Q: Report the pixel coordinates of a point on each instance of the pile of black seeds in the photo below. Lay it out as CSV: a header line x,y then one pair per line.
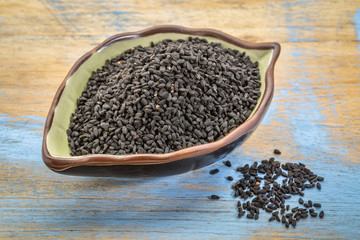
x,y
259,190
162,98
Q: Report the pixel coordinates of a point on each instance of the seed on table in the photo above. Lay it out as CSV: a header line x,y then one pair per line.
x,y
277,151
250,216
272,218
301,201
256,216
310,203
318,185
241,213
287,224
321,214
320,179
215,197
318,205
214,171
293,222
230,178
313,214
227,163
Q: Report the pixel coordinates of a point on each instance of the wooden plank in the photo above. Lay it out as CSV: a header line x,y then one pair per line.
x,y
314,118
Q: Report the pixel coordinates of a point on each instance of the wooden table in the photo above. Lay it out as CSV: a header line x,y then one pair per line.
x,y
314,118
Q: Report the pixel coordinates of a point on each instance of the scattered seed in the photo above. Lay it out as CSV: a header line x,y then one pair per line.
x,y
318,205
230,178
287,224
320,179
277,151
227,163
250,216
215,197
321,214
214,171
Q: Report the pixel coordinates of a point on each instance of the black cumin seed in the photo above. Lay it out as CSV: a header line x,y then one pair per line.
x,y
318,185
286,224
318,205
313,214
230,178
271,219
241,213
320,179
227,163
321,214
301,201
214,171
277,151
250,216
214,197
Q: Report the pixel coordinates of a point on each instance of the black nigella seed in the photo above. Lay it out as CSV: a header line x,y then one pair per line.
x,y
320,179
287,224
241,213
313,214
214,171
227,163
273,193
164,97
277,151
321,214
250,216
215,197
318,185
230,178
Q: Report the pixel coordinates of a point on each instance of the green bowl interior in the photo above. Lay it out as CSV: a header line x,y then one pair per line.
x,y
57,142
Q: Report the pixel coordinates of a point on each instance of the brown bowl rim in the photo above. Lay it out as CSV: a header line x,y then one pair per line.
x,y
61,163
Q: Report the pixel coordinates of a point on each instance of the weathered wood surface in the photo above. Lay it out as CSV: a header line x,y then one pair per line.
x,y
314,118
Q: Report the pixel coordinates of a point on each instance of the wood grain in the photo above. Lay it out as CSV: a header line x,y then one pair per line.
x,y
314,118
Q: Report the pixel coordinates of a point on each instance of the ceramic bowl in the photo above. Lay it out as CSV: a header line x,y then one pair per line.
x,y
55,149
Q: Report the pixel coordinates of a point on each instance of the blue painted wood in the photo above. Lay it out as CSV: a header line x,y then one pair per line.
x,y
32,197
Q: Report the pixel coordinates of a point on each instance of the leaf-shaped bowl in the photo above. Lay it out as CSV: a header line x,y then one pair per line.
x,y
55,148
